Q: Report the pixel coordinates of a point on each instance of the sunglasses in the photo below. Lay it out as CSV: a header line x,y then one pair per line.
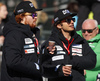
x,y
32,14
88,30
69,20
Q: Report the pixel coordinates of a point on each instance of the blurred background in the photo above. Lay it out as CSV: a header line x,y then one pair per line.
x,y
45,17
84,8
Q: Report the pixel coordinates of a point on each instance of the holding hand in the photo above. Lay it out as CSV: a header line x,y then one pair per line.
x,y
51,47
67,70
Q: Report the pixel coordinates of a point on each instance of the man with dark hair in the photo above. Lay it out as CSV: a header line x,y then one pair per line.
x,y
69,48
20,51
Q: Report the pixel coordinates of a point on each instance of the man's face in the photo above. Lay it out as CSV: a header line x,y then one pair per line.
x,y
67,24
31,20
89,30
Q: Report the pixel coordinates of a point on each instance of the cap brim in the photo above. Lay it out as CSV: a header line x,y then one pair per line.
x,y
38,9
73,14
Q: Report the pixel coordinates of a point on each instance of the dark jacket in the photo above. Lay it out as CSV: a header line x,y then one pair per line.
x,y
87,2
19,59
81,57
4,21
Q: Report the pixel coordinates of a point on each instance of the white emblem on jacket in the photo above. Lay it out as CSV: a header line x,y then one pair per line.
x,y
29,46
77,45
29,51
28,41
59,57
59,50
58,47
77,50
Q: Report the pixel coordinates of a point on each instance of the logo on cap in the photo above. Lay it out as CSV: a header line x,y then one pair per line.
x,y
21,10
65,11
31,5
56,19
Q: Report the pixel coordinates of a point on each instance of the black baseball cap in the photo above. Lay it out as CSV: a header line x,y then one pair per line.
x,y
62,14
25,6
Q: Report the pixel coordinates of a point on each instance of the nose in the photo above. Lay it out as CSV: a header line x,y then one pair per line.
x,y
86,32
35,18
72,22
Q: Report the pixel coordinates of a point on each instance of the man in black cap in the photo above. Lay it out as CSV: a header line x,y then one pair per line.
x,y
20,52
70,55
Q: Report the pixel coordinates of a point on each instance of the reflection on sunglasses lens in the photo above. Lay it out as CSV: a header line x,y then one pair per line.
x,y
34,15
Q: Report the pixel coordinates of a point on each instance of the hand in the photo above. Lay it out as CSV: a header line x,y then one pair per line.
x,y
51,51
84,72
1,40
67,70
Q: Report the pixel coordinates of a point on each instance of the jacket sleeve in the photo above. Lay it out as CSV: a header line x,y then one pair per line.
x,y
97,51
98,61
13,56
87,61
48,69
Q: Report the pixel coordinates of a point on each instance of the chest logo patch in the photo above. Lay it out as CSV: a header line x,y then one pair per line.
x,y
77,50
28,41
29,51
58,47
59,57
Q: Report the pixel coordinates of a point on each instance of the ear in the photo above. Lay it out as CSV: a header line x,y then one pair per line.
x,y
21,16
97,30
59,26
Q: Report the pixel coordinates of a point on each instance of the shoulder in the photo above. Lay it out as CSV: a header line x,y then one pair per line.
x,y
15,33
14,36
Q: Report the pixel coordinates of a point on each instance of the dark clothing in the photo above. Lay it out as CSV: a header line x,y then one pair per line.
x,y
87,2
4,21
19,59
85,6
1,28
81,57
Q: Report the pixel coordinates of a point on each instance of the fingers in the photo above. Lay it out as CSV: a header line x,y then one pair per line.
x,y
51,51
66,70
84,72
66,75
67,67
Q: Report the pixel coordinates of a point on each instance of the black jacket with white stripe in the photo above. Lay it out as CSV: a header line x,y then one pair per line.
x,y
19,59
81,57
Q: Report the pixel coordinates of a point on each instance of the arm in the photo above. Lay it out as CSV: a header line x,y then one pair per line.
x,y
97,51
51,68
14,56
98,61
87,61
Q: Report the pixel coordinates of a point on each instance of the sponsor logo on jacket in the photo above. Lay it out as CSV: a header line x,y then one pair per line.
x,y
77,50
60,50
28,41
29,46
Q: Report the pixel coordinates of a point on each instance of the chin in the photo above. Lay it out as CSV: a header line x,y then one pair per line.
x,y
72,30
32,26
87,38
